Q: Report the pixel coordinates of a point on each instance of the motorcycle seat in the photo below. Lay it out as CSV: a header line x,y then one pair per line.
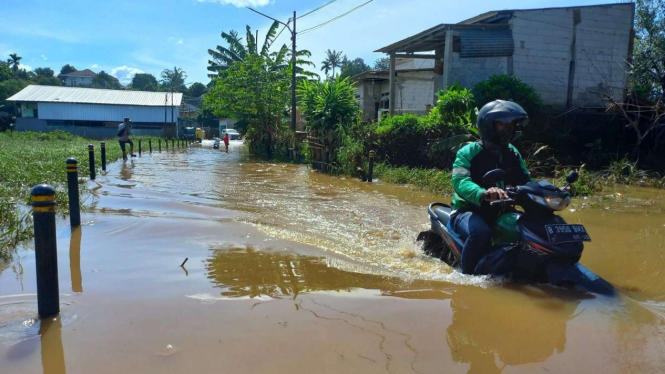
x,y
442,212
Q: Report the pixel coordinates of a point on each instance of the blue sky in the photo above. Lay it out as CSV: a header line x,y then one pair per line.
x,y
123,37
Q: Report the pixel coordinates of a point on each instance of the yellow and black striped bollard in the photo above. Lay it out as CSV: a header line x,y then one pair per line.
x,y
91,159
73,191
46,250
103,156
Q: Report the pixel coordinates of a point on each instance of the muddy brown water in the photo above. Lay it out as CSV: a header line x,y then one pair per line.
x,y
290,271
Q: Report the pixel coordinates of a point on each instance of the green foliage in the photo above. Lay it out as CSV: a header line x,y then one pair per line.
x,y
10,87
28,159
434,180
326,105
353,67
14,62
648,73
332,61
507,87
173,79
382,64
67,69
197,89
5,71
44,72
144,82
248,90
456,106
106,81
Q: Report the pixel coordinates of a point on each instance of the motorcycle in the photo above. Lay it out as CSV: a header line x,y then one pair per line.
x,y
532,246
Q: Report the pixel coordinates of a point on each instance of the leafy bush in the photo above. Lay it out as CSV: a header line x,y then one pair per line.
x,y
507,87
327,104
456,106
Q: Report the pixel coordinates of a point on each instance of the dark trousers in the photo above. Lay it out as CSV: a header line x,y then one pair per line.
x,y
476,235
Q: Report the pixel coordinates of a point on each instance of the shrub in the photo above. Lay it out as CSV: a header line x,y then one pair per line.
x,y
507,87
456,106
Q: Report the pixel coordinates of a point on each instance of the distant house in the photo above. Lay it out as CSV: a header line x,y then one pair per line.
x,y
569,55
414,83
80,78
96,113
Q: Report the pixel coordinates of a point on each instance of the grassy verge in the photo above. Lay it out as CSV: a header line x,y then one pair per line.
x,y
28,159
439,181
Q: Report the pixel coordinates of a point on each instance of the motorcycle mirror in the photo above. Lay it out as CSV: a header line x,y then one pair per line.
x,y
494,176
572,177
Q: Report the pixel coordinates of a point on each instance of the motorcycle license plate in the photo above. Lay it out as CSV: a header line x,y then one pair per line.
x,y
566,233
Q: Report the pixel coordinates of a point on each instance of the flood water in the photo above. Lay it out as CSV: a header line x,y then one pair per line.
x,y
289,270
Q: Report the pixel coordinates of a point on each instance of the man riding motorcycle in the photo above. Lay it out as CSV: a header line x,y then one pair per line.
x,y
472,215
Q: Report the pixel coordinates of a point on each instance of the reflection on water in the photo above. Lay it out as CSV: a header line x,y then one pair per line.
x,y
53,354
75,260
242,272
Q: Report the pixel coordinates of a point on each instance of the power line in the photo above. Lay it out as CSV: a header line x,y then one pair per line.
x,y
334,19
319,8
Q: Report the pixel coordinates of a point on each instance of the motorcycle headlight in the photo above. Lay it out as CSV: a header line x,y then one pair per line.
x,y
554,203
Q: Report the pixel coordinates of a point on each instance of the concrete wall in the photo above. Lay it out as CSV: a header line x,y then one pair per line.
x,y
78,81
99,112
469,71
414,91
546,41
38,125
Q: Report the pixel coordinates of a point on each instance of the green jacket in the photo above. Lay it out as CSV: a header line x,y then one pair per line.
x,y
471,164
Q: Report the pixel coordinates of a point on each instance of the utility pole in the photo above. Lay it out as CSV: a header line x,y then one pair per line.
x,y
293,75
293,63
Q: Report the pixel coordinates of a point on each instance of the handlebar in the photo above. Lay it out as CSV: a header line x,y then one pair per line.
x,y
495,202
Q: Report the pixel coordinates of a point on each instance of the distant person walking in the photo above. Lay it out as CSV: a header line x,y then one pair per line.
x,y
123,137
226,142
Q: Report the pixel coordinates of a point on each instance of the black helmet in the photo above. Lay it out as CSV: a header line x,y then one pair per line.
x,y
503,111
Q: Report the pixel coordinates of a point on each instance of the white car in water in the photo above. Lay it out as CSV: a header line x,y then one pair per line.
x,y
233,134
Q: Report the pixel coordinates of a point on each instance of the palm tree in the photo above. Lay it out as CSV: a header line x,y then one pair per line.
x,y
237,50
222,57
326,67
14,61
174,78
333,59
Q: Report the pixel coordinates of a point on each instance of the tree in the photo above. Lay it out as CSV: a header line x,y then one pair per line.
x,y
333,59
382,64
237,51
14,61
174,79
223,57
67,69
249,90
144,82
353,67
104,80
648,78
197,89
44,72
5,71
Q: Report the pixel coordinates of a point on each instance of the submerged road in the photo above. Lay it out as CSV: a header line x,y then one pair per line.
x,y
290,271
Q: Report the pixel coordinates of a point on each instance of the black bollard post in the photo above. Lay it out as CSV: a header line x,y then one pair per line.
x,y
46,251
73,190
150,145
371,166
139,147
91,159
160,144
103,156
172,143
166,144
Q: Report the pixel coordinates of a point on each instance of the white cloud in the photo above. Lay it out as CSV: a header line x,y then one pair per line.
x,y
239,3
24,66
94,66
44,57
125,73
180,41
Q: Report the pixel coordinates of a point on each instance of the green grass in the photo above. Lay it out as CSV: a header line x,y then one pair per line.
x,y
28,159
433,180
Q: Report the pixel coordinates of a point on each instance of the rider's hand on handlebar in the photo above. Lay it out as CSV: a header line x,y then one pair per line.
x,y
494,194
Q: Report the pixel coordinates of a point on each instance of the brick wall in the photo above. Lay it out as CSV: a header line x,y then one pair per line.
x,y
544,49
469,71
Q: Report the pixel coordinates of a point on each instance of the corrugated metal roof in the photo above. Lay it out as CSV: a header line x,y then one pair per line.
x,y
51,94
431,38
486,43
